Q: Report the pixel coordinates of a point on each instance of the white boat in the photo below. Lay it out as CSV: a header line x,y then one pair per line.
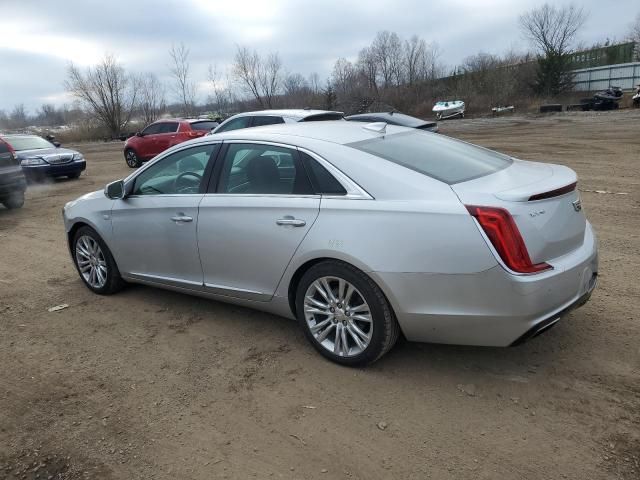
x,y
449,109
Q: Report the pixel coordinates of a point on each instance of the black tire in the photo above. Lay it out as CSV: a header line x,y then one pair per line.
x,y
73,176
385,326
132,159
114,281
15,200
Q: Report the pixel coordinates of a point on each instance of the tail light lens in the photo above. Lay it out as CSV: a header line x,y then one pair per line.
x,y
505,237
195,134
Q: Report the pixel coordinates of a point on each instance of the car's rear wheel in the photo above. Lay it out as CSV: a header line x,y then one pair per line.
x,y
344,314
15,200
132,159
94,262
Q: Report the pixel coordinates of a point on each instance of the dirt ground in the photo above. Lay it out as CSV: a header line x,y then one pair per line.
x,y
158,385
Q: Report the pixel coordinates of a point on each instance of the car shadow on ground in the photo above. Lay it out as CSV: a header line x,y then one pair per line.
x,y
401,363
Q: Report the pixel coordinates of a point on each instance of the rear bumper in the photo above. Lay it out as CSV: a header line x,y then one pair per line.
x,y
493,307
62,170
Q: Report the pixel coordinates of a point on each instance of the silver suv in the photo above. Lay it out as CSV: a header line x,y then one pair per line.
x,y
273,117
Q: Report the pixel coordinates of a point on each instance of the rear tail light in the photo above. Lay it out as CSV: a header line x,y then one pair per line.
x,y
195,134
505,237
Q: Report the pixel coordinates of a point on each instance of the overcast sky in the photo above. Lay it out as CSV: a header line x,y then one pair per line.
x,y
39,38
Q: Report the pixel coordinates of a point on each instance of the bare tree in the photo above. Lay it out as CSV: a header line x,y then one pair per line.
x,y
270,77
368,64
246,69
343,76
106,91
634,35
222,96
314,83
259,77
184,88
387,51
552,30
152,98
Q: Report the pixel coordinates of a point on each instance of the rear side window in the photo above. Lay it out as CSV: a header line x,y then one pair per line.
x,y
443,158
169,127
208,125
266,120
323,116
322,181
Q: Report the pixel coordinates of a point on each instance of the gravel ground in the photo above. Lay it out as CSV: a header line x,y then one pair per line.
x,y
155,384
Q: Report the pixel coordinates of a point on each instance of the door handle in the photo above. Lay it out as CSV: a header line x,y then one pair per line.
x,y
289,220
181,217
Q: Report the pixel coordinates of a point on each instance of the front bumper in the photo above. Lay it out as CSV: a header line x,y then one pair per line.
x,y
60,170
493,307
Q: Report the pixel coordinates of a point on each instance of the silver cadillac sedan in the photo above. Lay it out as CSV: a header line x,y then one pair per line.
x,y
360,232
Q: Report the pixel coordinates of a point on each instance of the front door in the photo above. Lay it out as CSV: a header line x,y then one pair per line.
x,y
155,227
253,221
166,137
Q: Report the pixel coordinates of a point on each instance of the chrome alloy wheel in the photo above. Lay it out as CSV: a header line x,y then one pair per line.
x,y
338,316
91,261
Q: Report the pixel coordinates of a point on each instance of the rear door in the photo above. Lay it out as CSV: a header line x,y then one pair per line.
x,y
254,218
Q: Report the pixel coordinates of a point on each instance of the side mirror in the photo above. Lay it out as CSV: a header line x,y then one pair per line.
x,y
115,190
56,144
139,134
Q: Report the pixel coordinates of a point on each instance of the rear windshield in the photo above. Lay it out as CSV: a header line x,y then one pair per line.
x,y
443,158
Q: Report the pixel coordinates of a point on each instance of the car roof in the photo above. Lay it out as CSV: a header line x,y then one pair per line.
x,y
332,131
297,113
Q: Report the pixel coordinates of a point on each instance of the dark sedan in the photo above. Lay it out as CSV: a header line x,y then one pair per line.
x,y
395,118
41,159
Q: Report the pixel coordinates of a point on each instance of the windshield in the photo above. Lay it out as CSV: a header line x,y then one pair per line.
x,y
27,142
443,158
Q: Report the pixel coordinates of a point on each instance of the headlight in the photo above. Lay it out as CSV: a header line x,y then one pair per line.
x,y
28,162
77,156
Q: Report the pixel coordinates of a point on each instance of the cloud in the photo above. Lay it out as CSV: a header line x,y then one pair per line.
x,y
39,39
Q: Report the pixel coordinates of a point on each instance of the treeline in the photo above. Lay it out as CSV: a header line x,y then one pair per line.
x,y
407,74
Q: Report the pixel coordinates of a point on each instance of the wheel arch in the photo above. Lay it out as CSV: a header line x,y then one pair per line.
x,y
304,267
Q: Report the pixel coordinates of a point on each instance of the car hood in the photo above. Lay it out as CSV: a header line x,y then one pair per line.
x,y
45,153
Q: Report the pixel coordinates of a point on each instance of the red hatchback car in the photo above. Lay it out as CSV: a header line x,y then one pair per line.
x,y
159,136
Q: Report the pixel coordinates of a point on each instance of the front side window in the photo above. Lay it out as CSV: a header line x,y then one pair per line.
x,y
152,129
263,169
235,124
179,173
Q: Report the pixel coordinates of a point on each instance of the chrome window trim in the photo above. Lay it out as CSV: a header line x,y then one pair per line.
x,y
170,151
354,191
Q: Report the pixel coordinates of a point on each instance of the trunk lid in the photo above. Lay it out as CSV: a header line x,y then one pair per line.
x,y
552,224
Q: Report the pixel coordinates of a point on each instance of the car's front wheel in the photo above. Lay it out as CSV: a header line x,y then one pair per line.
x,y
94,262
15,200
344,314
132,159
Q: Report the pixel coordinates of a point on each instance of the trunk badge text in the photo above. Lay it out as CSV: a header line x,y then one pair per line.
x,y
577,205
536,213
